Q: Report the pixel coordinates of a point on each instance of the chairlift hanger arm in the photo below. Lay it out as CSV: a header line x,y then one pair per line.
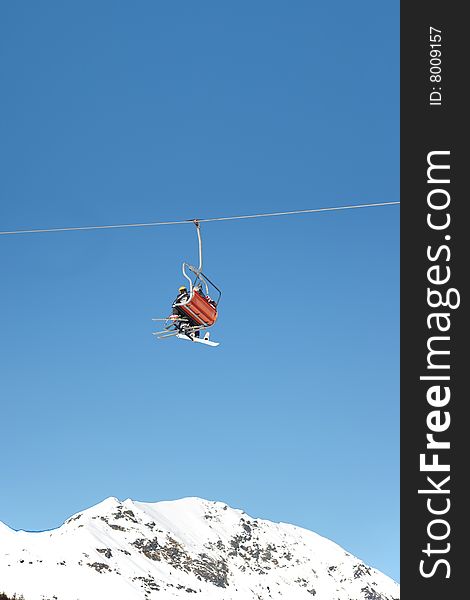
x,y
199,239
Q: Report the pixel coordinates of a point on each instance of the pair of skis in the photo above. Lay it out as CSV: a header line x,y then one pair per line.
x,y
186,335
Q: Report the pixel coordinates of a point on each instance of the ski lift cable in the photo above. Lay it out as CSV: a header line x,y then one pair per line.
x,y
207,220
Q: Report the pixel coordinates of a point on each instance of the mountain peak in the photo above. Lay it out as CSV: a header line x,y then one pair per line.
x,y
130,550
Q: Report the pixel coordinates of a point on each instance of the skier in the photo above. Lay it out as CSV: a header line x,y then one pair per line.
x,y
183,296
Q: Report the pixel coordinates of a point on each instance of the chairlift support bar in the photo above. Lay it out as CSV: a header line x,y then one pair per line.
x,y
199,239
198,270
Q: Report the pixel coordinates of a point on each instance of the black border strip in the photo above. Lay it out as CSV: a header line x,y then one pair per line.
x,y
433,123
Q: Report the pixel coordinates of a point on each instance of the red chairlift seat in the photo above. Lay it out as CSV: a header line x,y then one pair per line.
x,y
200,309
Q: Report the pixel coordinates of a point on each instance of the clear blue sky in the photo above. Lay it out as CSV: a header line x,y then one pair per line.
x,y
120,112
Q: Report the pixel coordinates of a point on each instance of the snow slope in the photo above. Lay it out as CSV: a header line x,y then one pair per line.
x,y
181,549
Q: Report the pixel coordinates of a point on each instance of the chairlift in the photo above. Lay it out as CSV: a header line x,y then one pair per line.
x,y
199,310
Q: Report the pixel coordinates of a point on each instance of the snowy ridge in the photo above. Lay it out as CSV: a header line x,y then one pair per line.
x,y
188,548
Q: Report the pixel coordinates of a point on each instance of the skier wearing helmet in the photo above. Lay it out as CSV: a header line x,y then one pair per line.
x,y
183,296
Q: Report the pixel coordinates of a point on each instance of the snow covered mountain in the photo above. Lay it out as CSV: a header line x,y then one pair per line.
x,y
188,548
